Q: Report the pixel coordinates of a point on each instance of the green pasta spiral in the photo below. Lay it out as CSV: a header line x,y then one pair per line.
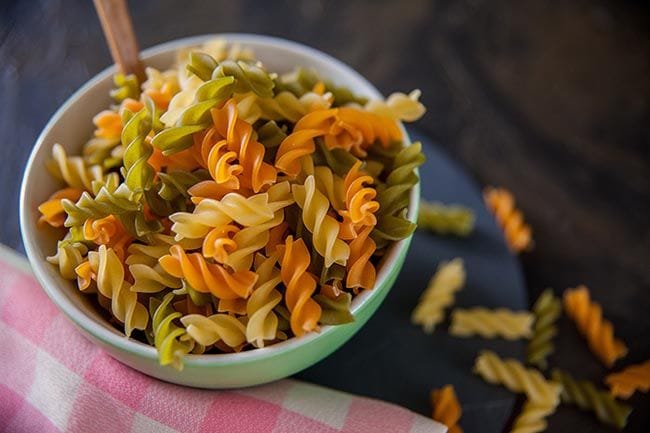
x,y
126,86
393,197
303,80
547,309
170,194
586,396
339,160
194,118
446,219
271,135
138,174
335,311
168,337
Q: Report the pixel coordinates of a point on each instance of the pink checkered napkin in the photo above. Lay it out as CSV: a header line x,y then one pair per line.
x,y
52,379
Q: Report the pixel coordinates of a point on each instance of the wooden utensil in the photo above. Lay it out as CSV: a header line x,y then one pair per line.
x,y
118,29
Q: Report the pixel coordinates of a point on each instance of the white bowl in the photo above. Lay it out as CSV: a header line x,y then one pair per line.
x,y
72,125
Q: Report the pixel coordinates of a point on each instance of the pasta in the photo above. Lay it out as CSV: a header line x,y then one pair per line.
x,y
324,228
219,207
501,202
586,396
300,284
501,322
262,321
393,199
547,309
531,419
439,294
598,331
443,219
632,378
446,408
512,374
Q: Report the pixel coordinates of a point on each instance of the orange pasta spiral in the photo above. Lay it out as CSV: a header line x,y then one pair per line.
x,y
446,408
109,124
346,128
502,204
239,137
635,377
207,277
218,243
108,231
300,284
361,272
360,206
220,162
52,211
589,319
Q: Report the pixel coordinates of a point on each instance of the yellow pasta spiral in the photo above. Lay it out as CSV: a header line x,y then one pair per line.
x,y
300,284
73,170
325,229
246,211
207,330
635,377
501,322
207,277
514,376
531,419
110,274
439,294
250,240
502,204
446,408
262,321
598,331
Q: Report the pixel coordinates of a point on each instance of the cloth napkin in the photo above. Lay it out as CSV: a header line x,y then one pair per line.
x,y
53,380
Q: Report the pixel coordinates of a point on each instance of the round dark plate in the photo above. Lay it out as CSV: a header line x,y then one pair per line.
x,y
393,360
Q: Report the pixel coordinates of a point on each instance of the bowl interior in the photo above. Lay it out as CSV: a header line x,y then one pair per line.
x,y
71,126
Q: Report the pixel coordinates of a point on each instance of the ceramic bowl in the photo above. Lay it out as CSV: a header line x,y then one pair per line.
x,y
71,126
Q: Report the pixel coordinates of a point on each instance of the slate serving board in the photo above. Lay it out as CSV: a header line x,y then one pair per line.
x,y
391,359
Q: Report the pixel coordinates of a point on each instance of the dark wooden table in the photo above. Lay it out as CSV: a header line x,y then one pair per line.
x,y
549,99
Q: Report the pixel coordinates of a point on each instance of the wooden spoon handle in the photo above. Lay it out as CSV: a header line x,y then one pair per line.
x,y
118,29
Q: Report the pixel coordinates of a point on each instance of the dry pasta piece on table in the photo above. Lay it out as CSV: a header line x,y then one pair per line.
x,y
446,408
501,322
445,219
439,294
632,378
547,309
502,204
586,396
598,331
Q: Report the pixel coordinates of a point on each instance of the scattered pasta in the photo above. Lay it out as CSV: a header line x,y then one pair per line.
x,y
598,331
586,396
439,294
445,219
502,204
532,417
546,309
629,380
501,322
221,207
446,408
514,376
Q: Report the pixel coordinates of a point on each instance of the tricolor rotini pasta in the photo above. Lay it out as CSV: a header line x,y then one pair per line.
x,y
219,206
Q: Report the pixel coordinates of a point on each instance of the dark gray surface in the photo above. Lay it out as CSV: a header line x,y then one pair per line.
x,y
548,98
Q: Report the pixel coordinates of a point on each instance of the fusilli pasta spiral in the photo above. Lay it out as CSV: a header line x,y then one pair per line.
x,y
445,219
632,378
598,331
446,408
586,396
439,294
501,322
502,204
547,309
262,321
